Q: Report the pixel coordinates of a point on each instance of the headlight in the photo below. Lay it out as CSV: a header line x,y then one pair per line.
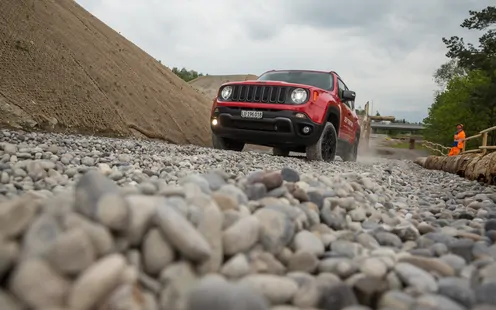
x,y
299,95
226,92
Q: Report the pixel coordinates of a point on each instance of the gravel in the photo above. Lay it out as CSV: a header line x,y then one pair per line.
x,y
98,223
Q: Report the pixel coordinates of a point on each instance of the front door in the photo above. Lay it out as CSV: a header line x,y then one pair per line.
x,y
347,116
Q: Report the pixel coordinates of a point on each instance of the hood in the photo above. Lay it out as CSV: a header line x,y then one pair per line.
x,y
262,83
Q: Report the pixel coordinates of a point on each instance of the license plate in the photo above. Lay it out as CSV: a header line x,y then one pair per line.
x,y
251,114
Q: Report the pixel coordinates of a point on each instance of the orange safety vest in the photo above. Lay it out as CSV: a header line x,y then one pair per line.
x,y
458,136
457,145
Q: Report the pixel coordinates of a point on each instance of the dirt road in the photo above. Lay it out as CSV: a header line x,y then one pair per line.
x,y
379,148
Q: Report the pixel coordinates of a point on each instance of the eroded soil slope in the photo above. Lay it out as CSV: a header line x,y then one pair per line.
x,y
62,69
209,84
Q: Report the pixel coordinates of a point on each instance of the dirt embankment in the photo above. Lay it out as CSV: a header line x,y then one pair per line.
x,y
64,70
209,84
471,166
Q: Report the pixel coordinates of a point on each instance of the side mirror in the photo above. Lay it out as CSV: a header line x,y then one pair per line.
x,y
349,95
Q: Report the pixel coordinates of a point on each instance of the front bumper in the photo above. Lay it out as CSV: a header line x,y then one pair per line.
x,y
277,128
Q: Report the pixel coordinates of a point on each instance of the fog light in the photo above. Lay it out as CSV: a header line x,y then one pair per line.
x,y
214,122
306,129
300,115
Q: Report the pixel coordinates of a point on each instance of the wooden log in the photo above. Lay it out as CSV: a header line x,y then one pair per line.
x,y
472,166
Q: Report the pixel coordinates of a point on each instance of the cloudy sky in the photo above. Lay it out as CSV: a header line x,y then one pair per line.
x,y
385,50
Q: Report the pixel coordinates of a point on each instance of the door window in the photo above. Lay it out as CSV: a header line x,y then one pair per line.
x,y
342,87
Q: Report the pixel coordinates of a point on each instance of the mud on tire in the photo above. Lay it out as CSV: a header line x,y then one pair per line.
x,y
221,143
352,151
325,148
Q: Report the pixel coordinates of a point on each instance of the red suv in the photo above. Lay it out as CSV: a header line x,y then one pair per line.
x,y
303,111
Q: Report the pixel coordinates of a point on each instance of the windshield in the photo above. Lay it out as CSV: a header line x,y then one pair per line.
x,y
317,79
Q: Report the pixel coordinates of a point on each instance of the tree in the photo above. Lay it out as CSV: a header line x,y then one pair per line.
x,y
468,56
402,121
360,111
467,82
446,72
185,74
481,59
457,105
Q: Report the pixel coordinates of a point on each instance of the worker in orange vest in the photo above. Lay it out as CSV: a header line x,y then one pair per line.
x,y
459,141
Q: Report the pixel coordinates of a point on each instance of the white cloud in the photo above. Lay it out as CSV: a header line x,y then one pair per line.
x,y
386,52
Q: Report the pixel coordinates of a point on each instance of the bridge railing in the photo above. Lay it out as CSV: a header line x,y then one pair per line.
x,y
436,148
483,148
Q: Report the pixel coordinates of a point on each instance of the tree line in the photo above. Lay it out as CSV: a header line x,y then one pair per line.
x,y
467,83
186,75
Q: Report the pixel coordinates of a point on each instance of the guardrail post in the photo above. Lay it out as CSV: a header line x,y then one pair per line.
x,y
484,143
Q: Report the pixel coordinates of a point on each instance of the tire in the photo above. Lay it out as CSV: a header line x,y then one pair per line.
x,y
352,152
226,144
325,148
280,151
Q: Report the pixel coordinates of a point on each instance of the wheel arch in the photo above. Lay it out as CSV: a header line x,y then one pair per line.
x,y
333,116
358,132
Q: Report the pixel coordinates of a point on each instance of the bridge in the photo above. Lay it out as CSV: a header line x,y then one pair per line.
x,y
397,126
374,124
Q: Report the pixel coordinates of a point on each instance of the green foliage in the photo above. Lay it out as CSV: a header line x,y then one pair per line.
x,y
457,105
468,56
467,82
186,75
360,111
446,72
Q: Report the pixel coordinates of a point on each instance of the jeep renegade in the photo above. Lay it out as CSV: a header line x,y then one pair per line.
x,y
303,111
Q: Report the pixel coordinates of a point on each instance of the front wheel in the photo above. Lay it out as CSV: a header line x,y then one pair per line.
x,y
221,143
352,153
325,148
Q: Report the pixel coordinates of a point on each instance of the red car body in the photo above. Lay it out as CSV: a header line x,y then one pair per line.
x,y
282,123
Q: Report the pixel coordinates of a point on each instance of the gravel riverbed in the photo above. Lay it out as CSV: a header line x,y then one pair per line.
x,y
97,223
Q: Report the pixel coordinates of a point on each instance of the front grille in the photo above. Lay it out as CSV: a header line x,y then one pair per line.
x,y
259,93
278,126
254,109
